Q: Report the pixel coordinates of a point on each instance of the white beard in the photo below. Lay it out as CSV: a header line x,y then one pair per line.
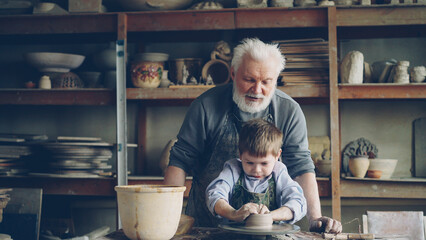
x,y
251,107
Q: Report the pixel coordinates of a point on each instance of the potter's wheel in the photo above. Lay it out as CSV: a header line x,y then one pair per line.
x,y
276,229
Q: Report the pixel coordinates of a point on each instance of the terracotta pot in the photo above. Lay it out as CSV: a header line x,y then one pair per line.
x,y
359,166
149,211
374,173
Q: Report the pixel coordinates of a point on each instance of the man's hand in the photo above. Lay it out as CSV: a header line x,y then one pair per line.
x,y
245,211
325,224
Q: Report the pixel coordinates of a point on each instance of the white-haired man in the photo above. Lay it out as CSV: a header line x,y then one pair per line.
x,y
209,134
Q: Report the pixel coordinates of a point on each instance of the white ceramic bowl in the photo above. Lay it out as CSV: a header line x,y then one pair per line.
x,y
149,212
387,166
54,62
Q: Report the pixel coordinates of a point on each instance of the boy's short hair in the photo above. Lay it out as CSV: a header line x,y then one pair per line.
x,y
259,138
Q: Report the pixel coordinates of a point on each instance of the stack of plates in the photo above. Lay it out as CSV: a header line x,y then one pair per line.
x,y
15,151
307,61
12,159
74,157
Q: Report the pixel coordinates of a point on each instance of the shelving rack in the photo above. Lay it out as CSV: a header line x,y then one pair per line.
x,y
332,23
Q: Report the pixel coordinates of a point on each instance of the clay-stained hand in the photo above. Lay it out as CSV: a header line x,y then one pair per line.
x,y
325,224
245,211
263,209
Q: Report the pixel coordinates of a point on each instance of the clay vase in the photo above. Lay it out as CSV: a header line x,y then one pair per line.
x,y
358,166
149,212
259,221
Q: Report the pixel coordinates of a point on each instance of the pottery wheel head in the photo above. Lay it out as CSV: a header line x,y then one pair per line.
x,y
259,221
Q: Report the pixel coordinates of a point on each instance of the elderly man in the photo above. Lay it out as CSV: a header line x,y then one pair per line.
x,y
209,134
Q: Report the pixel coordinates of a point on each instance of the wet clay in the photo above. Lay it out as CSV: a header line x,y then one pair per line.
x,y
259,221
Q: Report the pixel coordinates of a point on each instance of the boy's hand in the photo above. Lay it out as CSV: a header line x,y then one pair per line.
x,y
262,209
245,211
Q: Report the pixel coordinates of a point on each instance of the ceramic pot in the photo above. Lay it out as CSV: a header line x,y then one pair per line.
x,y
146,74
259,221
359,165
218,70
323,168
387,166
149,212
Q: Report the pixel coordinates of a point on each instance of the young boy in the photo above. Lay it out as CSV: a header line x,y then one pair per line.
x,y
257,182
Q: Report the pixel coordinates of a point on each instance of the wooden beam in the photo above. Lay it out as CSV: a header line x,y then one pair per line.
x,y
383,91
306,91
180,21
277,18
57,96
58,24
383,189
381,16
334,114
141,128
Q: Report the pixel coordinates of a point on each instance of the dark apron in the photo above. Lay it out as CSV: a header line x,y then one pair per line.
x,y
241,196
226,148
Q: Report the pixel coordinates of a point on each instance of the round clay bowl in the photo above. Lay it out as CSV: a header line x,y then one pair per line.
x,y
359,166
149,212
259,221
387,166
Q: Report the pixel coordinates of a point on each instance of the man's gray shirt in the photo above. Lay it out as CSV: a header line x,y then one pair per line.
x,y
206,114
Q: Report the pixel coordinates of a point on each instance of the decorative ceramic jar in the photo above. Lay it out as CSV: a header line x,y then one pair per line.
x,y
147,69
358,165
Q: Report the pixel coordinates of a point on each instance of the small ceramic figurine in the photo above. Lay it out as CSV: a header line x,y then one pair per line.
x,y
185,75
222,51
209,80
401,72
418,74
192,81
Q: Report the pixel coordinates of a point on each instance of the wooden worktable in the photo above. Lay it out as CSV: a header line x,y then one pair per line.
x,y
218,234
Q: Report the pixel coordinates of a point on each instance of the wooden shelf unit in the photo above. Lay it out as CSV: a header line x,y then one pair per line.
x,y
57,96
331,23
100,186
